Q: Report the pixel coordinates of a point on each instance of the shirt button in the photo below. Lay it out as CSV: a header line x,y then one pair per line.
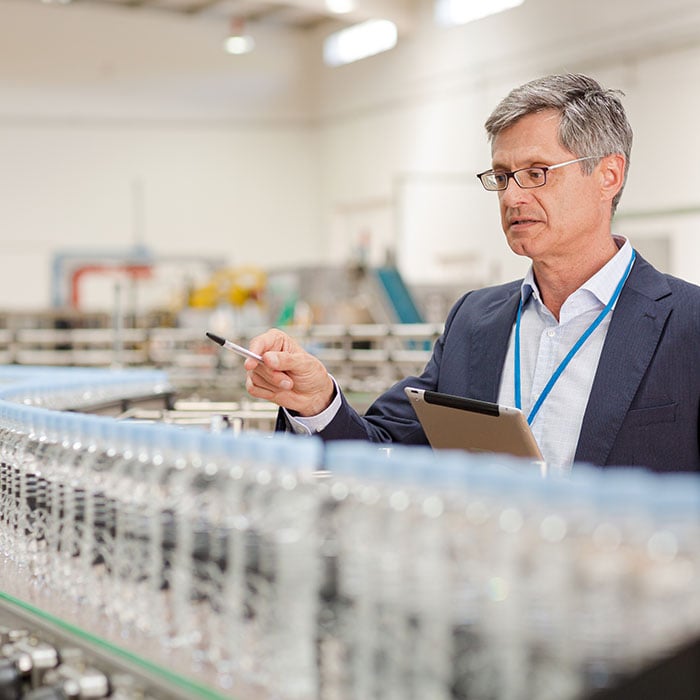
x,y
551,332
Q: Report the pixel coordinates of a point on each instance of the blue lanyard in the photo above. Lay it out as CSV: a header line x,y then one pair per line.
x,y
576,347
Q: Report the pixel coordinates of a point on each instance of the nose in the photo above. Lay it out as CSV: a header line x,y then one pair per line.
x,y
513,195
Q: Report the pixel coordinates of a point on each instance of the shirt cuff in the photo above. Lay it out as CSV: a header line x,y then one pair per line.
x,y
308,425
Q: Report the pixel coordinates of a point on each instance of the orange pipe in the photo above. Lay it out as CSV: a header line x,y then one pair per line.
x,y
134,271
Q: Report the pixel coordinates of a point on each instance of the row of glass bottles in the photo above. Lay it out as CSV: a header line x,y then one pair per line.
x,y
204,544
489,582
412,574
71,388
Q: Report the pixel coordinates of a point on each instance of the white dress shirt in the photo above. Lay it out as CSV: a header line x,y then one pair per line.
x,y
544,342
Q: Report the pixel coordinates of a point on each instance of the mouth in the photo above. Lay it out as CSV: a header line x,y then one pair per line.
x,y
522,221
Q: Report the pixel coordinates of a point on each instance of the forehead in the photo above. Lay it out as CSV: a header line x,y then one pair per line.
x,y
534,138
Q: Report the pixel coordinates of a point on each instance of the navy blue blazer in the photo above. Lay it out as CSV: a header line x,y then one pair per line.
x,y
644,406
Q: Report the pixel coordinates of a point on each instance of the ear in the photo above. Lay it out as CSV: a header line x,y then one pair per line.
x,y
611,173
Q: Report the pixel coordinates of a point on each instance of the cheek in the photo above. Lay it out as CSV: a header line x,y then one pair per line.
x,y
502,208
572,214
577,201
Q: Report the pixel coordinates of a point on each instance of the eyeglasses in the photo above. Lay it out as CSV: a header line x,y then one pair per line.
x,y
527,178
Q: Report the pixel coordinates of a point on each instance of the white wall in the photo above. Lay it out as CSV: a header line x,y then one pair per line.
x,y
116,130
244,195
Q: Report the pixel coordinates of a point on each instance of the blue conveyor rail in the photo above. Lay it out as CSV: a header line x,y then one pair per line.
x,y
399,295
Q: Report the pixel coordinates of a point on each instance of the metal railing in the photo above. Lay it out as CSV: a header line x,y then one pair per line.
x,y
362,357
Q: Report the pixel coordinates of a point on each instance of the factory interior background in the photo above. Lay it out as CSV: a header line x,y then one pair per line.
x,y
128,134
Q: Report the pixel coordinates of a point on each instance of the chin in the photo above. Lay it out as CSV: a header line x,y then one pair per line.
x,y
520,246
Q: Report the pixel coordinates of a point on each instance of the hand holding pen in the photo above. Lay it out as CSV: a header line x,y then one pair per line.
x,y
281,371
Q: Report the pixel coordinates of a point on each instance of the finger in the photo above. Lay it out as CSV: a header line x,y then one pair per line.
x,y
275,394
272,339
271,380
266,372
290,362
250,364
262,392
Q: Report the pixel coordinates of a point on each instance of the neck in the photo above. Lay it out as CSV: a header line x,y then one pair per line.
x,y
558,279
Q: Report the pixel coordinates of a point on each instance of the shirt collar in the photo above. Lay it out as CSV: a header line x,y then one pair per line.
x,y
602,285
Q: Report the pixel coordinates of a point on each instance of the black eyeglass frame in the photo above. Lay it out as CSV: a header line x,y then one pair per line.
x,y
544,169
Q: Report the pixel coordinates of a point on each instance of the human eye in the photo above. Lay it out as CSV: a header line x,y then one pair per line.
x,y
499,178
532,176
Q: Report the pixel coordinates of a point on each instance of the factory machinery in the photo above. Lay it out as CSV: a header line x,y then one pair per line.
x,y
364,358
151,559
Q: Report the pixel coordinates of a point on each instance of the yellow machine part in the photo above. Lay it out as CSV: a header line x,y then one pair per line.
x,y
234,286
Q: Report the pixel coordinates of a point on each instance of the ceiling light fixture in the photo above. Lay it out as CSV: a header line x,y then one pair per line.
x,y
451,12
340,7
359,41
238,42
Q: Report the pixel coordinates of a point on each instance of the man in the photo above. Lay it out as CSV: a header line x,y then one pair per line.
x,y
597,347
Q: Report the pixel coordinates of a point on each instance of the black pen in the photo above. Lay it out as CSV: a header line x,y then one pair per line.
x,y
232,346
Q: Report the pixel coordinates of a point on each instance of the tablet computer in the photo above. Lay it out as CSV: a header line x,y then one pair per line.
x,y
453,422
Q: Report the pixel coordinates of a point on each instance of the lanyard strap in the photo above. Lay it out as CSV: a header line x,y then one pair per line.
x,y
576,347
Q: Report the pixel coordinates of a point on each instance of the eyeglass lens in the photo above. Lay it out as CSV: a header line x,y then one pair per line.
x,y
527,177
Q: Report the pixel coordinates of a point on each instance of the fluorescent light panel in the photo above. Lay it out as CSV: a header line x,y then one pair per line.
x,y
340,7
451,12
239,44
359,41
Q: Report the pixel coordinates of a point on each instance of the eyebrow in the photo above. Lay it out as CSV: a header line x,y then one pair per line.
x,y
533,162
505,169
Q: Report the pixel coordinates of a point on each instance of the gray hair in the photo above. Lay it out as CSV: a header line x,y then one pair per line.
x,y
593,121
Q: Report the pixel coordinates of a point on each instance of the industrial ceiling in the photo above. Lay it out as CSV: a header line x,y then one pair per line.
x,y
297,14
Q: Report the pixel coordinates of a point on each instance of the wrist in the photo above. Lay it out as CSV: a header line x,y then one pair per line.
x,y
322,401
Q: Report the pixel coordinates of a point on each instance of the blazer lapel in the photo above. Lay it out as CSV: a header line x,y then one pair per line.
x,y
634,332
490,345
